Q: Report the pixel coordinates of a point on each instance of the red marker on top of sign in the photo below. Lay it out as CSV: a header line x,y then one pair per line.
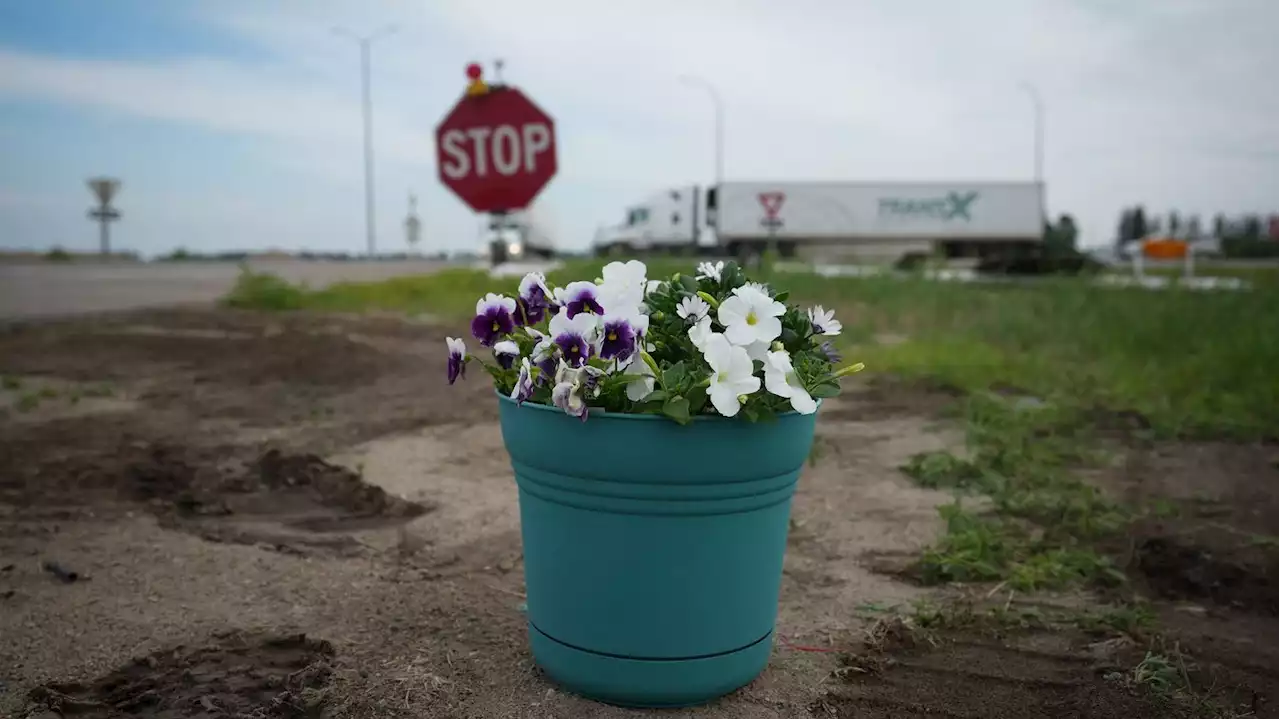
x,y
475,74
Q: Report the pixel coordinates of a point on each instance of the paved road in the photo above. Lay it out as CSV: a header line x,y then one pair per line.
x,y
46,290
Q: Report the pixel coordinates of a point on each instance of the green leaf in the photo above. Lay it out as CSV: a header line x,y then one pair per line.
x,y
677,408
749,413
698,400
825,390
673,375
782,296
688,283
658,395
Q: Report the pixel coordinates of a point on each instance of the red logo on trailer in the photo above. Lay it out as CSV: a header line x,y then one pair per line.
x,y
495,149
772,204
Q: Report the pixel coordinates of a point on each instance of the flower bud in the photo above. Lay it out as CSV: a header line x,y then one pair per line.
x,y
658,316
851,369
709,300
742,399
599,280
777,346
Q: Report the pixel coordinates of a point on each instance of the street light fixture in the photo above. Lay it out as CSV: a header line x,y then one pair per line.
x,y
1038,105
719,119
365,41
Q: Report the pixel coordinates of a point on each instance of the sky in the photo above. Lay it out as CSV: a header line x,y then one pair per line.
x,y
235,124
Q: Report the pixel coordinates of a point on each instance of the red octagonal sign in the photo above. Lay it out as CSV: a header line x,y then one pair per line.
x,y
496,151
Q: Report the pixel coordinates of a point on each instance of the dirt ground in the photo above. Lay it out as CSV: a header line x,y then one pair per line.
x,y
214,514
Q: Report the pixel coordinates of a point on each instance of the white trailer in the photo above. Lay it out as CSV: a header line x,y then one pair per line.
x,y
952,219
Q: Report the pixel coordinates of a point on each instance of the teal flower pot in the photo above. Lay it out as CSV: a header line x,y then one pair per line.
x,y
653,552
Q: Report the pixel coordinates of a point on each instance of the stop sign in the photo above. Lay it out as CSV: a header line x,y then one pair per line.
x,y
496,150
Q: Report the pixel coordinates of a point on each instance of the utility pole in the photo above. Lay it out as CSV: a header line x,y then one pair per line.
x,y
365,42
104,188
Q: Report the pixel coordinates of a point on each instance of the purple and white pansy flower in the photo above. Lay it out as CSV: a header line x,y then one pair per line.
x,y
457,358
506,352
581,297
522,390
684,347
494,318
534,298
574,336
617,337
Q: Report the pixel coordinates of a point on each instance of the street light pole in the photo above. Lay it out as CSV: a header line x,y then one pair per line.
x,y
366,98
1038,106
719,119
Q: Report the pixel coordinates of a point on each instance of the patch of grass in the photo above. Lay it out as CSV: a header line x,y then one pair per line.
x,y
265,291
10,383
1190,363
27,401
1043,520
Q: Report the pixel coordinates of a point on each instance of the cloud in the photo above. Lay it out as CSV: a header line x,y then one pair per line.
x,y
1170,103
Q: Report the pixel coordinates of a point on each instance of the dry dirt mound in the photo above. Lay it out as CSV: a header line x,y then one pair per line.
x,y
1242,576
293,503
971,676
237,675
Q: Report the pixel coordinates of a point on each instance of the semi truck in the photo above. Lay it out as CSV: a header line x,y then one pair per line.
x,y
886,220
515,237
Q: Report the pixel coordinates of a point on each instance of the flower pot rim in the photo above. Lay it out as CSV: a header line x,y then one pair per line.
x,y
594,412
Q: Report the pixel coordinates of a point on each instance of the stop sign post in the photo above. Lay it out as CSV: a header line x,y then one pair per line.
x,y
495,149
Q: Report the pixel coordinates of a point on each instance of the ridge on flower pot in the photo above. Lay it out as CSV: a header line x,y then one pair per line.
x,y
654,533
652,583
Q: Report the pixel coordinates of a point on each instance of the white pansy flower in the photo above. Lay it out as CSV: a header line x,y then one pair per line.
x,y
780,379
653,286
824,321
640,377
700,332
751,316
731,375
693,307
707,270
623,286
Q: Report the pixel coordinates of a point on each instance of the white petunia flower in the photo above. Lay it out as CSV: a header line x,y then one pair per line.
x,y
693,307
758,287
700,332
653,286
824,321
731,375
751,316
780,379
707,270
758,351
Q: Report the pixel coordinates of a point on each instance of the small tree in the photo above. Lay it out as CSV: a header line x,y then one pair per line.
x,y
1219,225
1124,231
1175,223
1140,228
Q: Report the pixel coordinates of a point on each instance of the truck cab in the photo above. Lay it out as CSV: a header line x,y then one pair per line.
x,y
668,221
